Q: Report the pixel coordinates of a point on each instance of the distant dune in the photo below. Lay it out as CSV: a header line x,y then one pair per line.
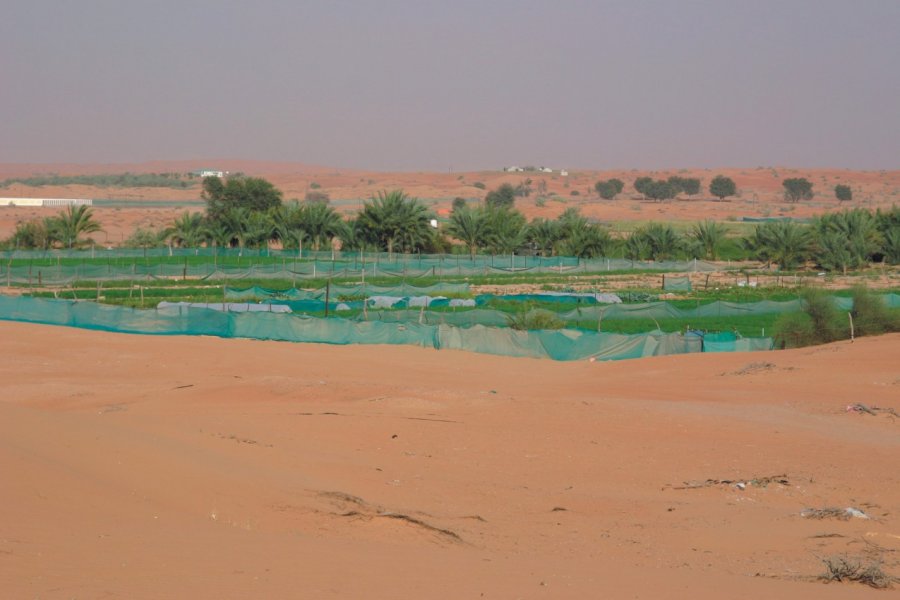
x,y
760,192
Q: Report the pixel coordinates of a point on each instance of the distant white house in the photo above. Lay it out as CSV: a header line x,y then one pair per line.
x,y
545,169
34,202
513,169
563,172
209,173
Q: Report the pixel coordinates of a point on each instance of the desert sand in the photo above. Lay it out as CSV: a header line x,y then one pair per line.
x,y
760,193
180,467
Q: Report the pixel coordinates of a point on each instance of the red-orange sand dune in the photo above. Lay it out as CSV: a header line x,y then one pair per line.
x,y
173,467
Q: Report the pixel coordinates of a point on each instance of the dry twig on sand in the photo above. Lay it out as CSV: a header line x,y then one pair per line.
x,y
842,568
739,483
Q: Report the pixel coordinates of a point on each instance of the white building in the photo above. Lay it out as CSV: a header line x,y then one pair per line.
x,y
46,202
209,173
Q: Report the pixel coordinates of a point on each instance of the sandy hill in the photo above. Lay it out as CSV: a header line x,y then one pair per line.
x,y
148,467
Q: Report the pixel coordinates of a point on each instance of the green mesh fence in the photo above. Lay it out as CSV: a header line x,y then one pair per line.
x,y
469,317
338,291
183,320
677,284
59,267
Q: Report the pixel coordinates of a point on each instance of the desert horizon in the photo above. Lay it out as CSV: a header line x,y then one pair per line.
x,y
512,299
759,191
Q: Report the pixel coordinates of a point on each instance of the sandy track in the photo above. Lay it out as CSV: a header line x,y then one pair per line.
x,y
147,467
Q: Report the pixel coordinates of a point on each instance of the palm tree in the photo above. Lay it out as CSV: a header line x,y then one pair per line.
x,y
147,238
581,238
782,242
320,222
68,226
544,235
661,240
891,246
708,236
259,229
470,226
393,219
233,222
219,234
847,239
506,231
590,241
637,247
286,220
188,230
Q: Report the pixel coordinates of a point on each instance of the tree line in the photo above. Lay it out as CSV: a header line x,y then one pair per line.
x,y
795,189
247,212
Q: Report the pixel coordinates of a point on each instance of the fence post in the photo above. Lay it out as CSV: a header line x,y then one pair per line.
x,y
327,295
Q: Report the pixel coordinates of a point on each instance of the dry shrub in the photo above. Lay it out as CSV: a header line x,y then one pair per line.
x,y
842,568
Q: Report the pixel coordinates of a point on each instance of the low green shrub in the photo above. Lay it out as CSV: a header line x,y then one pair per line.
x,y
535,319
871,316
794,330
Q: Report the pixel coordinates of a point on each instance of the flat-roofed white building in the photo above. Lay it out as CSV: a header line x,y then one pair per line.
x,y
36,202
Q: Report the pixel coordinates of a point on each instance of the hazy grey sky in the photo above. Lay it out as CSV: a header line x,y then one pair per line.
x,y
467,84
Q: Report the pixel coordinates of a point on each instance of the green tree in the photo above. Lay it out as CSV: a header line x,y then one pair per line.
x,y
797,188
188,230
502,197
708,236
259,229
579,237
69,225
846,240
251,193
782,242
889,225
320,223
637,247
685,185
620,185
661,240
394,220
609,188
33,234
543,234
507,230
660,190
234,224
471,226
641,183
843,193
722,187
147,238
218,234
